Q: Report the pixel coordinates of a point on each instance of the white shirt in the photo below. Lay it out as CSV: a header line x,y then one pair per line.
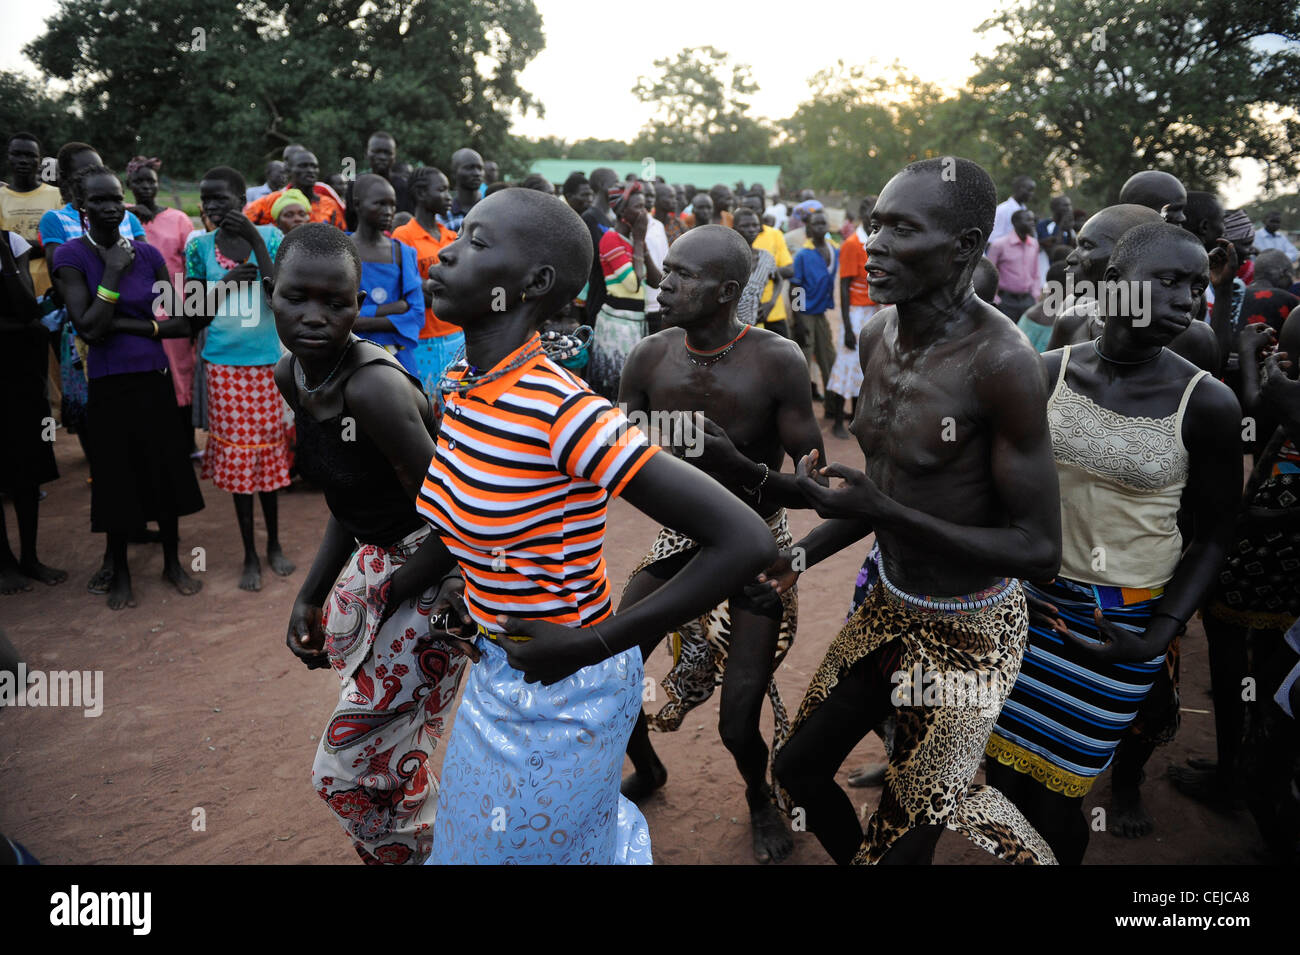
x,y
656,247
17,244
1265,240
779,214
1002,218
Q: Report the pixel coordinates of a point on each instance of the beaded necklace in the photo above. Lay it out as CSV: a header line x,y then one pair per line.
x,y
715,356
554,345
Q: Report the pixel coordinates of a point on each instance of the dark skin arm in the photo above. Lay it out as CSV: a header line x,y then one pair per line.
x,y
1282,393
796,424
21,305
1252,341
396,426
1223,268
239,225
778,283
94,319
1212,423
735,545
849,340
1022,470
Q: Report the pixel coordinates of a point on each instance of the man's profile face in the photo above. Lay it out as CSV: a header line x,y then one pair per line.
x,y
1210,229
910,251
381,153
1023,222
1023,190
1063,211
1091,253
703,209
491,173
690,286
1273,223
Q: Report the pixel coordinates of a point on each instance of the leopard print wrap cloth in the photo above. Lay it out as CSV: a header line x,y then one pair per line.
x,y
937,748
700,646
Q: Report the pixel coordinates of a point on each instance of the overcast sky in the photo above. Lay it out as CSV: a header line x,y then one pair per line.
x,y
585,95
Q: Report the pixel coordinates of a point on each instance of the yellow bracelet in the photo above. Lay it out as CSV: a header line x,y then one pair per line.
x,y
155,327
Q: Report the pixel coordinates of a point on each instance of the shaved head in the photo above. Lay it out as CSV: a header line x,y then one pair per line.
x,y
368,182
551,233
985,279
717,250
1113,221
1155,190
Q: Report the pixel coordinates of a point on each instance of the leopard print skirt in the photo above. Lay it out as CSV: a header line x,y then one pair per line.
x,y
937,748
700,646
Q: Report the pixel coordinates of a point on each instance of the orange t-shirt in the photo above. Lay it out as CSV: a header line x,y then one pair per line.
x,y
324,209
853,265
427,248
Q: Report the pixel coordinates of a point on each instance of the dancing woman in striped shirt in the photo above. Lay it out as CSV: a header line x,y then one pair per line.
x,y
527,458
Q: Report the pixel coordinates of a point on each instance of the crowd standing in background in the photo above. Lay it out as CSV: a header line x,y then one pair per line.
x,y
452,359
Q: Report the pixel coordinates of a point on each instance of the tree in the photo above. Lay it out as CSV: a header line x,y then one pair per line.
x,y
25,106
1098,89
702,111
201,83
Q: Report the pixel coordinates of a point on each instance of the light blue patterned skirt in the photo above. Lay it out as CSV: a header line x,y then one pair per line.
x,y
532,772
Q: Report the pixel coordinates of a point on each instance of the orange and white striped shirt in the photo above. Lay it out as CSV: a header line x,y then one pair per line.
x,y
518,489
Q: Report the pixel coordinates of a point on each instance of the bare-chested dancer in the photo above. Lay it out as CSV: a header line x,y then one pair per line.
x,y
750,386
962,496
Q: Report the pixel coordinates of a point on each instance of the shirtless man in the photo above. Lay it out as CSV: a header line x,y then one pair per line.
x,y
962,495
748,383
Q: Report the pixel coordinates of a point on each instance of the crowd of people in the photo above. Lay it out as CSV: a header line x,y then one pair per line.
x,y
1053,415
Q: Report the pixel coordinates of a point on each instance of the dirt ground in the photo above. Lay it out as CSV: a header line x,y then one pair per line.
x,y
205,708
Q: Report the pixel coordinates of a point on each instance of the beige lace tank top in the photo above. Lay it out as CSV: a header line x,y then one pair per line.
x,y
1121,482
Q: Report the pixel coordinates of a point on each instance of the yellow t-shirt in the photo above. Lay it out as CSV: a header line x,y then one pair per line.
x,y
774,242
21,212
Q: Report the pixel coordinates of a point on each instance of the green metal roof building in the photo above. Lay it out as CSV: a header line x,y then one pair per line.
x,y
701,175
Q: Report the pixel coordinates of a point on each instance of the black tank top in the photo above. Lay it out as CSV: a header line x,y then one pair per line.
x,y
360,485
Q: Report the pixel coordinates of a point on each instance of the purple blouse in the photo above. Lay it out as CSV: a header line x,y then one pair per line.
x,y
120,354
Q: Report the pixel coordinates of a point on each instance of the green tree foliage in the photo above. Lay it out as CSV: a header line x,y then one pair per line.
x,y
25,106
701,111
1096,89
203,83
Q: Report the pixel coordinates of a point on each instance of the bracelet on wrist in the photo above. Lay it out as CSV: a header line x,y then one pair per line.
x,y
107,294
757,490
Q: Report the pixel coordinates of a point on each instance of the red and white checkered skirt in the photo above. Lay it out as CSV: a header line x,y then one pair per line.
x,y
248,451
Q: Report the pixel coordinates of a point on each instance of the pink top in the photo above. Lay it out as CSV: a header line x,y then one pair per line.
x,y
1017,262
167,232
